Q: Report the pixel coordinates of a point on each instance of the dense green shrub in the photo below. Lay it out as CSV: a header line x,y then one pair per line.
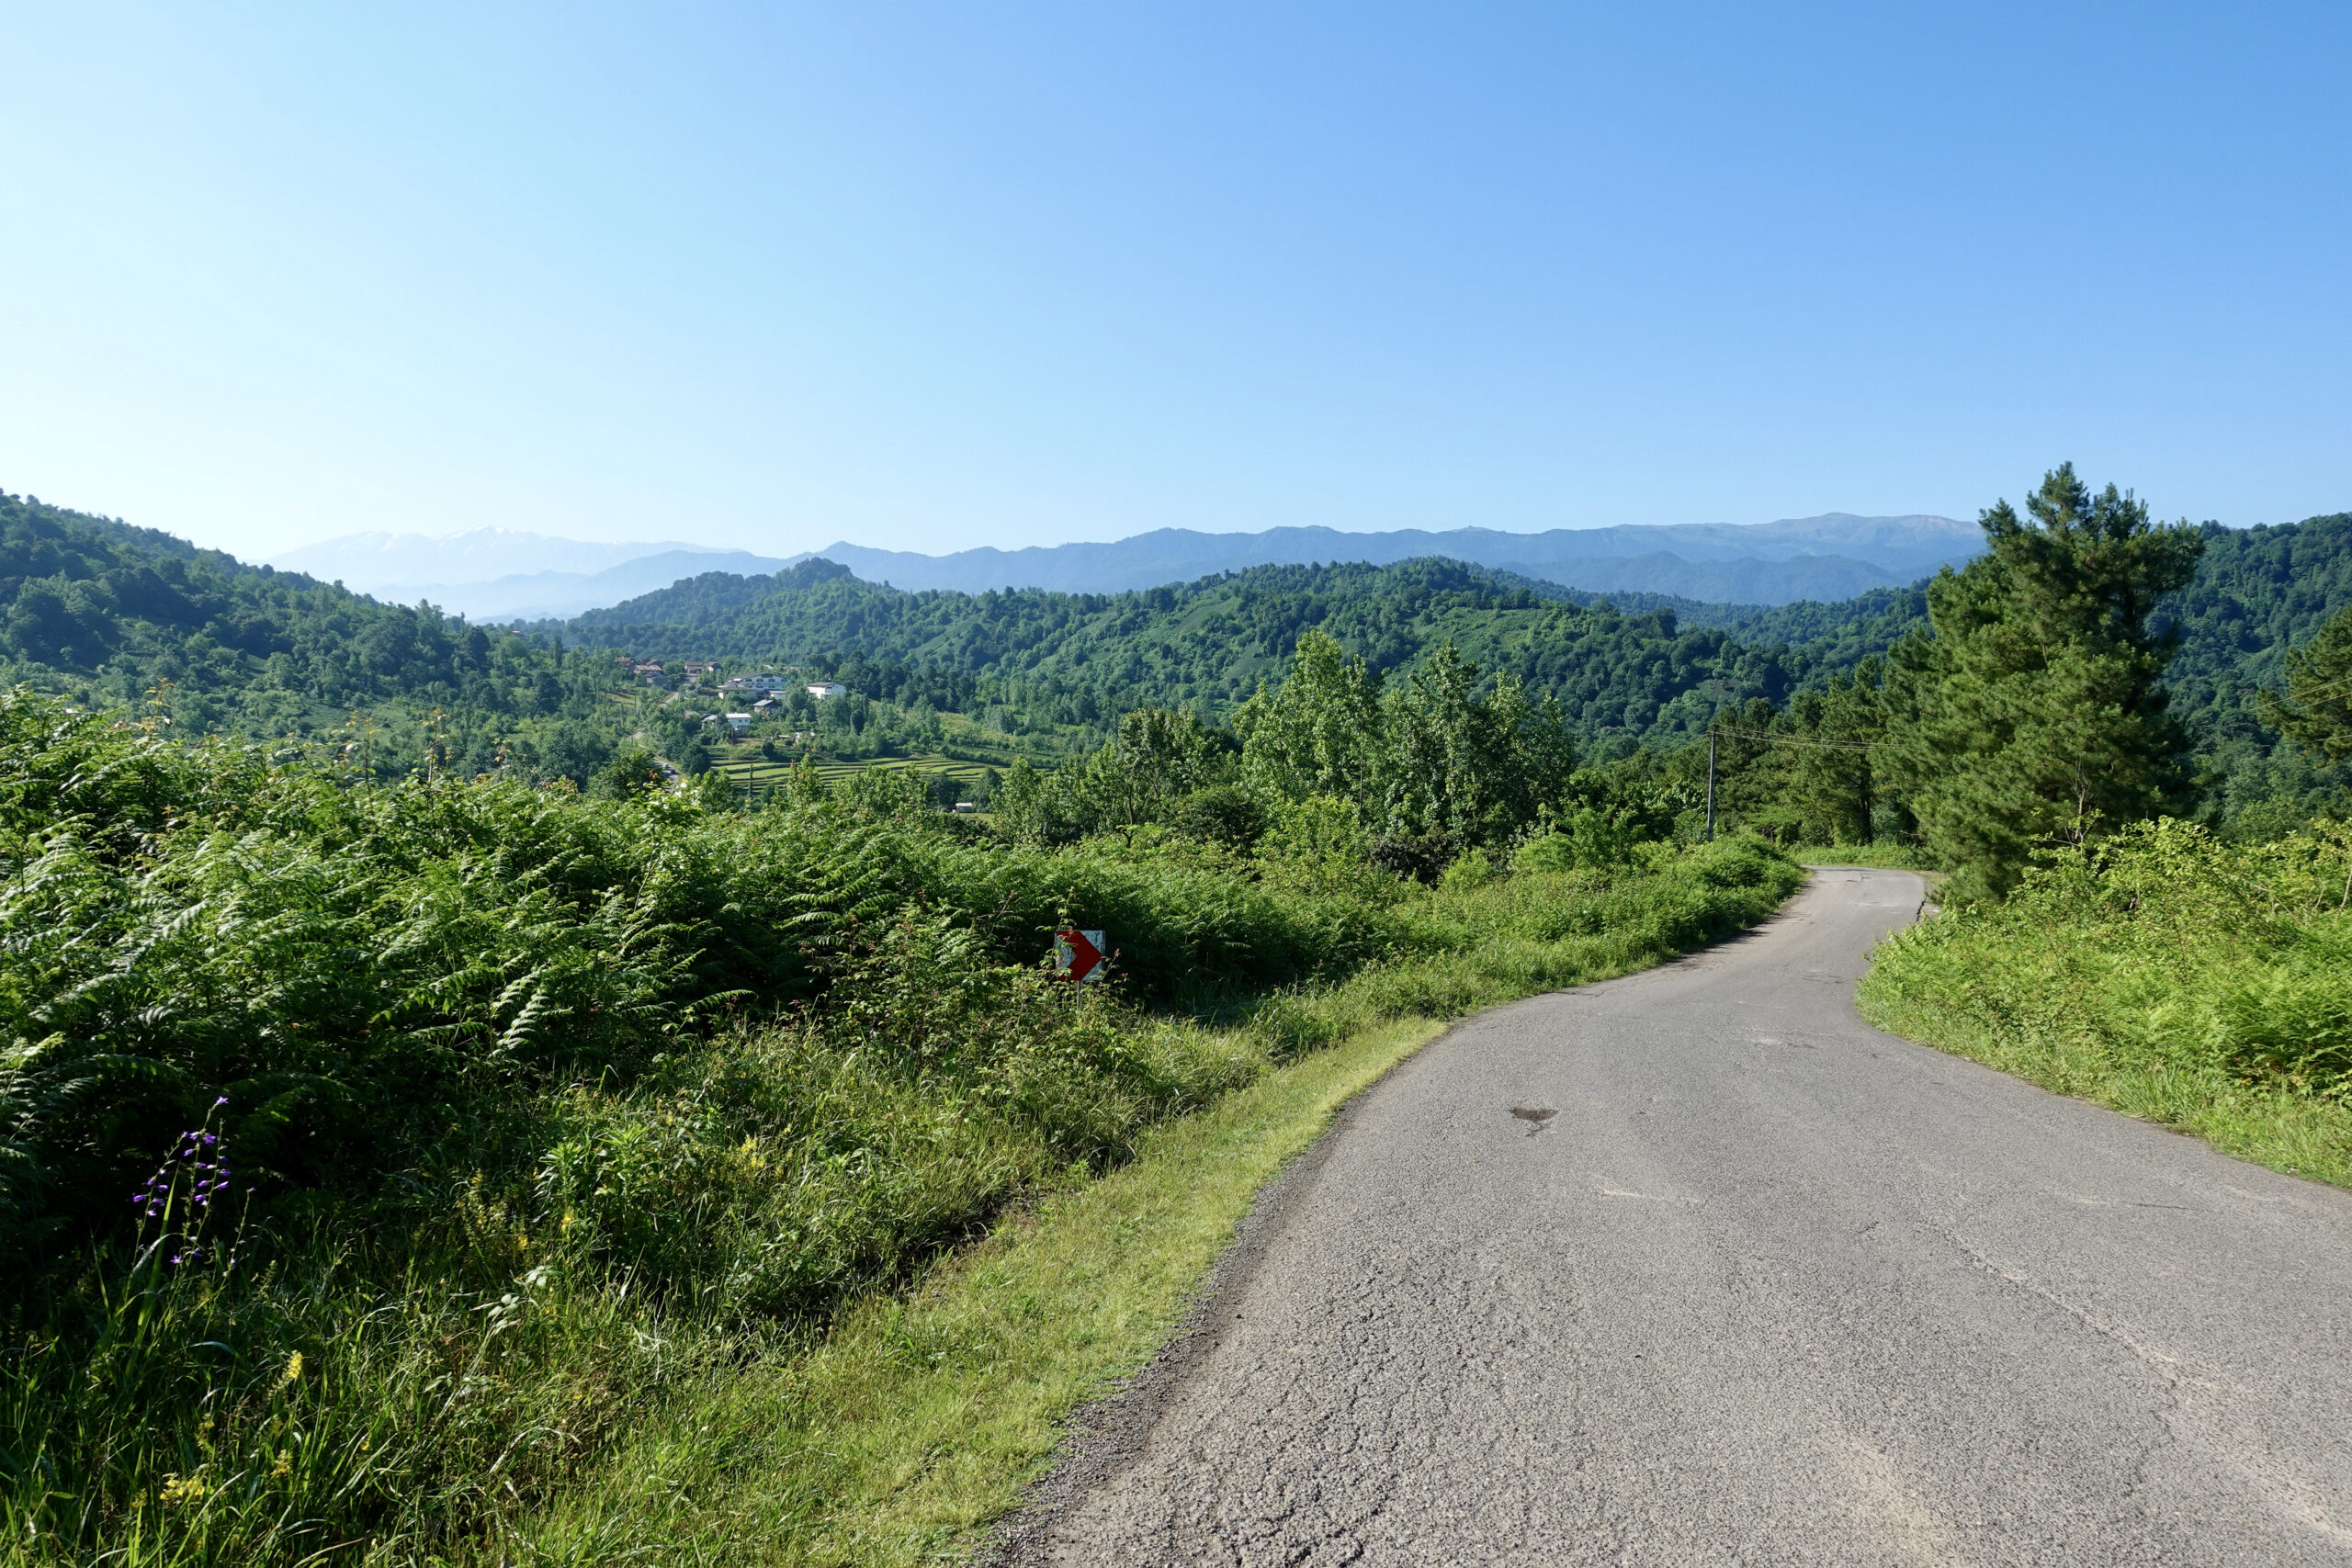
x,y
366,972
2164,948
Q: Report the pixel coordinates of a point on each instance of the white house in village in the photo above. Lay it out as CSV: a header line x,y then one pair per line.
x,y
738,722
755,683
820,690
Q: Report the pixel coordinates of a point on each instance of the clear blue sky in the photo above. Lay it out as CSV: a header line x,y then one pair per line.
x,y
925,276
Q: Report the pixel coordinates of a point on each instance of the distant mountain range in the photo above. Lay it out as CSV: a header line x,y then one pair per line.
x,y
483,573
365,562
503,574
558,596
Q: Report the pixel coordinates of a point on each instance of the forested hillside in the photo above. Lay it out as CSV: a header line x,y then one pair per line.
x,y
1069,659
2259,594
125,617
131,618
114,614
1644,673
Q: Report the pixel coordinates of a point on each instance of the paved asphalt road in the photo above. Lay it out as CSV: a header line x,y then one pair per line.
x,y
1771,1287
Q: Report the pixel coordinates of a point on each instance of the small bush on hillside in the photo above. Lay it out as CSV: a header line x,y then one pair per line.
x,y
1588,837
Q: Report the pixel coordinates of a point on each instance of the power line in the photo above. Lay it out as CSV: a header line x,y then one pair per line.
x,y
1791,741
2308,692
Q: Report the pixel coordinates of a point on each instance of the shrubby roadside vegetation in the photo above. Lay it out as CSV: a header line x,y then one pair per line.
x,y
378,1153
2103,942
2167,972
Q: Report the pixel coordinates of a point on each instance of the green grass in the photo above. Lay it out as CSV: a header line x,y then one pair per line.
x,y
2271,1125
923,1417
2198,985
748,770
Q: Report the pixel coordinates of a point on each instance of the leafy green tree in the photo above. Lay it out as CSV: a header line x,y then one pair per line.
x,y
633,772
1317,732
2032,716
895,792
1807,774
1158,756
680,738
1440,760
2316,712
1466,765
1222,813
1040,807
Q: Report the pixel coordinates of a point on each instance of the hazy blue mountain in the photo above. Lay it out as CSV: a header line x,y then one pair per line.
x,y
1831,557
498,575
390,564
1746,580
543,595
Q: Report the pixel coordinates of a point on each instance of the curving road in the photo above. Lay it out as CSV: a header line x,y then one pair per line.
x,y
1771,1287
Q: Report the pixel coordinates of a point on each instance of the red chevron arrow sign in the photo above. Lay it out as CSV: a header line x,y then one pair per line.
x,y
1079,955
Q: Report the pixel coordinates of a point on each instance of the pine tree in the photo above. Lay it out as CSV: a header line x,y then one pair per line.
x,y
2317,709
2033,714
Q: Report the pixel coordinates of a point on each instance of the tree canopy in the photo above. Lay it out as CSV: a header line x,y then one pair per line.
x,y
2033,714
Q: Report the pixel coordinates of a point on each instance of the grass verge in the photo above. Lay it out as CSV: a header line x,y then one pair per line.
x,y
2268,1124
2202,986
922,1418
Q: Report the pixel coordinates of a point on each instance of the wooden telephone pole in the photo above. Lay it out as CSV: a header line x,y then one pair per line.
x,y
1711,780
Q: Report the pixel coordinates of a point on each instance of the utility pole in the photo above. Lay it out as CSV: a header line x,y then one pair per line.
x,y
1711,780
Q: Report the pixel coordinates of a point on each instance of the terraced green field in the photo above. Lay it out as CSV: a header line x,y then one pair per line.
x,y
756,776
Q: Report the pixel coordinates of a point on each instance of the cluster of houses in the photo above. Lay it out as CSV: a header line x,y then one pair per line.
x,y
649,671
771,703
820,689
